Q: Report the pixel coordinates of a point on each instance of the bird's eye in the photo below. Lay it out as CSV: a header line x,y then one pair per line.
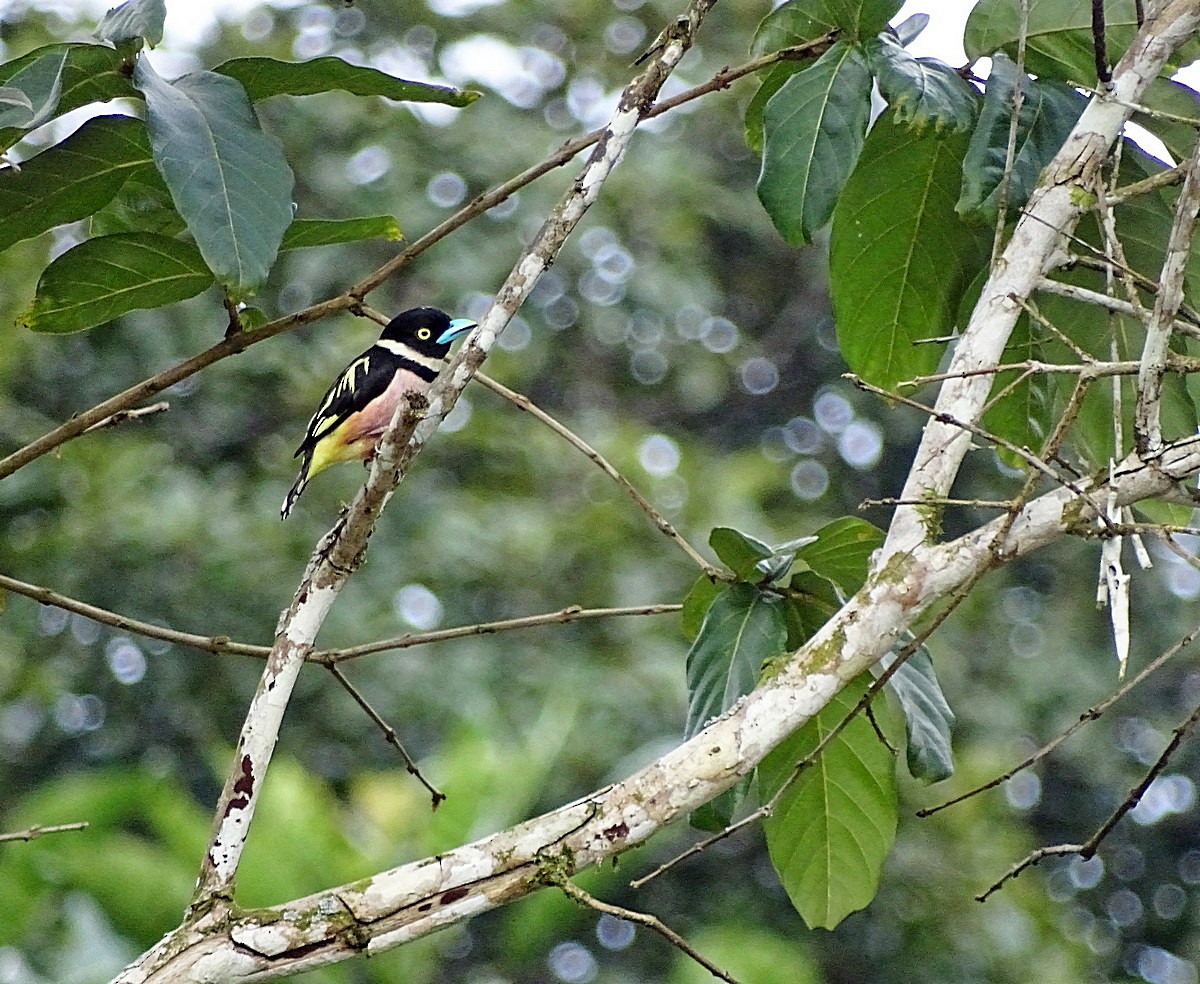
x,y
423,333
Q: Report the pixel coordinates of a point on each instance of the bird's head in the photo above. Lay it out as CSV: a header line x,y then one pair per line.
x,y
427,330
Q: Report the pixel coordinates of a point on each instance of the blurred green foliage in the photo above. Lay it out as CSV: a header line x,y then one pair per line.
x,y
681,337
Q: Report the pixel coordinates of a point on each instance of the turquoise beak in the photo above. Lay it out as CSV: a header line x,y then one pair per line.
x,y
459,326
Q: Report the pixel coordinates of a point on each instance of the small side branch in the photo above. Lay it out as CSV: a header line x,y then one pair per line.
x,y
650,922
32,833
1091,714
661,523
389,733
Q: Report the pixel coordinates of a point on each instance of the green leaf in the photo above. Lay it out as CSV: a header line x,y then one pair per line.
x,y
842,552
718,813
697,603
134,19
899,256
40,81
862,19
814,128
15,97
266,77
832,829
743,629
229,180
73,179
101,279
1182,104
909,29
790,24
927,716
1049,110
91,73
810,602
737,551
1059,40
142,205
304,233
922,90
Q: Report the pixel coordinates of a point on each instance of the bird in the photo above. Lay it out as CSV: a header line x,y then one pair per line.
x,y
358,407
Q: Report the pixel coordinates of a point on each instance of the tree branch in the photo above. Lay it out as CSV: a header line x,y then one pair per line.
x,y
342,549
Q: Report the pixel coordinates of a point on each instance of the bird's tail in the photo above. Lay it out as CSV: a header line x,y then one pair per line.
x,y
297,488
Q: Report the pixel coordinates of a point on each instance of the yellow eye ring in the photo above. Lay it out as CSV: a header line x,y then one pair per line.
x,y
423,333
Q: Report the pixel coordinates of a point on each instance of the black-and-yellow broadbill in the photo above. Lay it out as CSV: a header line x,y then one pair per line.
x,y
358,407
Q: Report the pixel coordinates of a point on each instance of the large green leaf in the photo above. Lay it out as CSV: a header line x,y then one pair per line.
x,y
927,716
862,19
40,81
743,629
790,24
1048,112
91,73
842,551
266,77
101,279
134,19
899,256
1059,39
73,179
229,180
922,91
304,233
832,829
813,132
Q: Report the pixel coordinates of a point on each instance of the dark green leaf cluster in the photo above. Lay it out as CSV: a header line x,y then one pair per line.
x,y
915,200
832,826
194,193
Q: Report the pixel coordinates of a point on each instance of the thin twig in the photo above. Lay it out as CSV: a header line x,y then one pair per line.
x,y
31,833
225,645
389,733
1087,850
572,613
1010,152
1029,861
1087,296
121,416
210,644
1091,714
1023,453
573,891
661,523
893,501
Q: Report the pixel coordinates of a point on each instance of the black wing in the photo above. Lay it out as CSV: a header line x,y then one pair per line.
x,y
362,381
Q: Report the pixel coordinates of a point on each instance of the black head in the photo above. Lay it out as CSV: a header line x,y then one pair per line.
x,y
427,330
